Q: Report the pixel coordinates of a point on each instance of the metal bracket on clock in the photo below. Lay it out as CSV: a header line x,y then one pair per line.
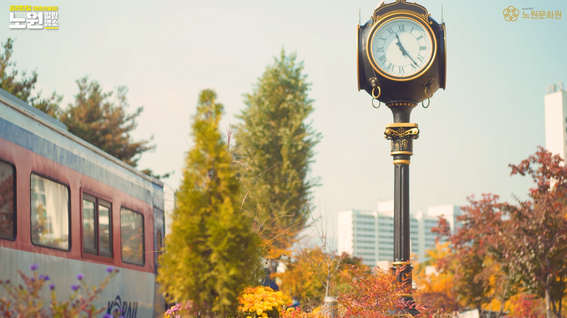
x,y
375,95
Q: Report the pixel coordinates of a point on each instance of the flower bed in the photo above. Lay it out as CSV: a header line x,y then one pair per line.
x,y
262,302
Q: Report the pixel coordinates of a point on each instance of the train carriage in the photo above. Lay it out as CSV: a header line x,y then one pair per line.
x,y
72,208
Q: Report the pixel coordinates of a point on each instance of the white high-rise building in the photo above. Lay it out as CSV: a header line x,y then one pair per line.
x,y
556,120
370,234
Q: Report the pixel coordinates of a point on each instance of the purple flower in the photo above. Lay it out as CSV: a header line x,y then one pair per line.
x,y
33,279
34,266
7,281
75,287
45,277
80,276
109,269
107,316
52,286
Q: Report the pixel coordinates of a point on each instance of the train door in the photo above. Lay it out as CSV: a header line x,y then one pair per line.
x,y
159,229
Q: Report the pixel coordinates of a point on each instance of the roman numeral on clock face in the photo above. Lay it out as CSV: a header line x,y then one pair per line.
x,y
401,47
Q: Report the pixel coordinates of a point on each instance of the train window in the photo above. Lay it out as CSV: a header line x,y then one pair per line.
x,y
7,199
49,213
159,238
97,226
132,236
89,239
104,229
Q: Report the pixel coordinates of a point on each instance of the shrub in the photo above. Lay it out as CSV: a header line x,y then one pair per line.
x,y
25,301
262,302
375,295
257,302
298,313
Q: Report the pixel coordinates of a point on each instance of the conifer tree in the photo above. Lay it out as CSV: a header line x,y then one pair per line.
x,y
94,116
275,145
23,86
103,122
212,251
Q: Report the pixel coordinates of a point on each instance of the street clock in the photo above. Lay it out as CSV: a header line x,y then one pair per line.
x,y
401,54
401,61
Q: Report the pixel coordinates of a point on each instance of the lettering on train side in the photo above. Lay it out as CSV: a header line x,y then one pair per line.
x,y
128,309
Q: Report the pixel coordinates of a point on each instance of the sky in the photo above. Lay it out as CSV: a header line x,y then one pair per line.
x,y
490,115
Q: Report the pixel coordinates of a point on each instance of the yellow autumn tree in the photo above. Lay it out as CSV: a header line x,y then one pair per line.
x,y
435,285
212,253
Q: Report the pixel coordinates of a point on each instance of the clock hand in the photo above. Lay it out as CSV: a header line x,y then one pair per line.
x,y
404,52
399,44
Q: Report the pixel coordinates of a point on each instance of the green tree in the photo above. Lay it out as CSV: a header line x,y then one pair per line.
x,y
212,251
94,117
22,86
102,121
275,146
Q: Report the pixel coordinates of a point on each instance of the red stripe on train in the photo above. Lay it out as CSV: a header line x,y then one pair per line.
x,y
27,162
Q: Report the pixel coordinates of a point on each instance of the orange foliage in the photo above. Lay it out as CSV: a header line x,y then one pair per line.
x,y
435,290
375,295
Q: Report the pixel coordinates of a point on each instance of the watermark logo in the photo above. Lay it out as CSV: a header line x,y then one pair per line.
x,y
511,14
34,17
122,308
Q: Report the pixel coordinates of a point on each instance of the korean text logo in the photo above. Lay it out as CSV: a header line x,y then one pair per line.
x,y
34,17
511,14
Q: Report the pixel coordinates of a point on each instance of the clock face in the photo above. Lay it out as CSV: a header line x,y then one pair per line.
x,y
401,47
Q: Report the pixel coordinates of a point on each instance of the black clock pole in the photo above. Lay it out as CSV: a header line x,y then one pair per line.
x,y
400,75
402,133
